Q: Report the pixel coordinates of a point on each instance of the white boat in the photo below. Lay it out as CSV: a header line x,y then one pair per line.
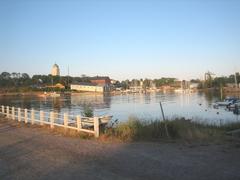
x,y
236,104
226,102
105,119
54,94
89,122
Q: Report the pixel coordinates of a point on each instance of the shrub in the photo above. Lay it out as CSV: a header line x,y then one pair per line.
x,y
87,111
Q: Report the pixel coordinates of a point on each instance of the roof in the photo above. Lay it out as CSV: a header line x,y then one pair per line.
x,y
84,84
55,65
99,78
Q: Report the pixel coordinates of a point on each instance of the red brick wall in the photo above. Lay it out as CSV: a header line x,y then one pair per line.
x,y
101,81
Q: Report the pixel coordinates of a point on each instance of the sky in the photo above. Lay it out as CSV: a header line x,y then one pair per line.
x,y
123,39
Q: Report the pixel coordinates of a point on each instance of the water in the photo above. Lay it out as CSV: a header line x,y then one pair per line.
x,y
196,106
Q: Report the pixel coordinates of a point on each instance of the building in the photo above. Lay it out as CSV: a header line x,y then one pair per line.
x,y
97,84
101,80
194,85
58,85
88,87
55,70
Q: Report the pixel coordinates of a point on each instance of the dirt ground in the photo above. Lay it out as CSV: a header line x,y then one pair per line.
x,y
34,153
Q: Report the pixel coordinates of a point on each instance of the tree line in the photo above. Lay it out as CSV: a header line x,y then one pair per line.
x,y
24,80
16,80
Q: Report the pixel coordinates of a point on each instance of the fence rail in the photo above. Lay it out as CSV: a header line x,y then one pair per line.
x,y
53,119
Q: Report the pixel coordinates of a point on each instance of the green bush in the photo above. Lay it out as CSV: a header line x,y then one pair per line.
x,y
87,111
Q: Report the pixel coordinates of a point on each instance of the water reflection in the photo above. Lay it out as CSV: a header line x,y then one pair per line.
x,y
197,106
97,101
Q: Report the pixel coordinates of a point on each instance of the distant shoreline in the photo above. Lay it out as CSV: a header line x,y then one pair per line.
x,y
41,93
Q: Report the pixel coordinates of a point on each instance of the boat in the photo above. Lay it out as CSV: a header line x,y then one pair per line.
x,y
52,94
236,104
227,102
105,119
89,121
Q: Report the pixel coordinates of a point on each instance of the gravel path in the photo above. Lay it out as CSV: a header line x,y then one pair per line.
x,y
34,153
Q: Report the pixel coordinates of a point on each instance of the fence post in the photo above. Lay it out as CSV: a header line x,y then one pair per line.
x,y
41,117
3,110
25,116
13,113
19,114
65,116
52,119
32,116
7,111
79,123
96,127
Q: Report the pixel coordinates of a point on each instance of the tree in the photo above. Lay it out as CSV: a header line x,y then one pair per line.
x,y
25,76
147,83
5,75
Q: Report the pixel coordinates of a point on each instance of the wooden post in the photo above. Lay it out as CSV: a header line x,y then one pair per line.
x,y
25,116
13,113
41,117
7,111
79,123
65,116
55,115
19,115
32,116
96,127
52,119
3,110
165,124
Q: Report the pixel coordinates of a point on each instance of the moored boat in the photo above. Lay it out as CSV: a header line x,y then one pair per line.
x,y
89,121
227,102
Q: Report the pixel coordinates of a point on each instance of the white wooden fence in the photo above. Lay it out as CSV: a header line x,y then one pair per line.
x,y
53,119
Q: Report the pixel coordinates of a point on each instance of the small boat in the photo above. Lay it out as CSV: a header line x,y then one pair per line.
x,y
54,94
227,102
89,121
105,119
236,104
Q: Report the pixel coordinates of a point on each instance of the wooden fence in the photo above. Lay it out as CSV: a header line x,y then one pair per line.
x,y
88,125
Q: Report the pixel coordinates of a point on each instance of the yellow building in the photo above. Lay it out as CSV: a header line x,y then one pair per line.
x,y
58,85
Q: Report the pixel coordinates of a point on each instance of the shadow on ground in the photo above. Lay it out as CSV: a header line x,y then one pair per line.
x,y
31,153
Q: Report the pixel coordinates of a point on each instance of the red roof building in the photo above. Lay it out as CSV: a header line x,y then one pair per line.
x,y
103,81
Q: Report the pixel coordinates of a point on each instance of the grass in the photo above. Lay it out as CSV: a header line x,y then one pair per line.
x,y
135,129
148,130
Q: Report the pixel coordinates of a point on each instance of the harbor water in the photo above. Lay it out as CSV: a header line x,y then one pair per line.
x,y
196,106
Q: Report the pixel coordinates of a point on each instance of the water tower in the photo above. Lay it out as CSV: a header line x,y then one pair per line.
x,y
55,70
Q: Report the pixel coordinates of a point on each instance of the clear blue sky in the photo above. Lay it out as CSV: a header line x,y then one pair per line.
x,y
121,38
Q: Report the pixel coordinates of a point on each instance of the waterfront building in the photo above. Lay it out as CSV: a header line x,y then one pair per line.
x,y
88,87
55,70
99,84
101,80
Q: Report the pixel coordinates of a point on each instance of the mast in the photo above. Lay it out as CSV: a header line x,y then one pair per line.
x,y
236,83
68,77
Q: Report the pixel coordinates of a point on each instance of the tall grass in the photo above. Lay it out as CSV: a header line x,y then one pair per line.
x,y
179,128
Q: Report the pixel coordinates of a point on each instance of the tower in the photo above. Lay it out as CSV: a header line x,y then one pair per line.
x,y
55,70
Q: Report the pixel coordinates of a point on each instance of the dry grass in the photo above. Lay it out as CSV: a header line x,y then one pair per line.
x,y
148,130
178,129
